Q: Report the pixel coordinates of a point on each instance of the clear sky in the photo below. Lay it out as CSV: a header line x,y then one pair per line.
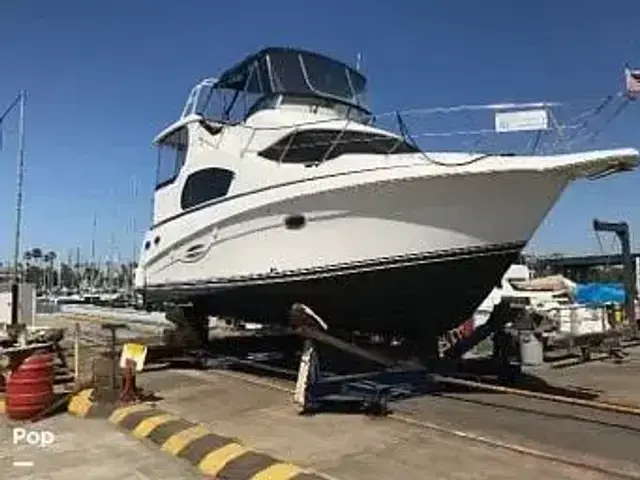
x,y
103,77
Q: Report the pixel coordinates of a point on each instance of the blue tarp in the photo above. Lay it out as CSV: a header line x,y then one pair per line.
x,y
597,293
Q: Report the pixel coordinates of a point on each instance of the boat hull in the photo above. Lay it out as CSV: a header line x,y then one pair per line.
x,y
412,255
422,295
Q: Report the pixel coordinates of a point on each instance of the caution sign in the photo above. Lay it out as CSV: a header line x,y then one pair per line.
x,y
135,352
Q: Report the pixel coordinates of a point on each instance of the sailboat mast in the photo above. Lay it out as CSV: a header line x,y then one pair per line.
x,y
93,252
134,235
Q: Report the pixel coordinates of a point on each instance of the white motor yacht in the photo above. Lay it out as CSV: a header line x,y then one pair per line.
x,y
300,197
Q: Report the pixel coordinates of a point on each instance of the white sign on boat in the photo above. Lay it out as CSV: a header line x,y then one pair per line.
x,y
523,120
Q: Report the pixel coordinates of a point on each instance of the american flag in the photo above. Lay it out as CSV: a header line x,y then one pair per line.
x,y
632,78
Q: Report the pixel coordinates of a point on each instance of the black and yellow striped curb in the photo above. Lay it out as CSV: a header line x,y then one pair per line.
x,y
80,405
213,455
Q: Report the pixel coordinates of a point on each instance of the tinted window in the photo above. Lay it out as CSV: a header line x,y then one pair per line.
x,y
205,185
311,146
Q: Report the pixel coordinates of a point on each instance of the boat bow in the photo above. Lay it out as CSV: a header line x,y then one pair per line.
x,y
595,164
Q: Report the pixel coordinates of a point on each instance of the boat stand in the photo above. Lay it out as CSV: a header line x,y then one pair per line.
x,y
369,392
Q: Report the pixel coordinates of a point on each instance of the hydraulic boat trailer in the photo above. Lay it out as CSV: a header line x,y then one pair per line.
x,y
373,390
510,322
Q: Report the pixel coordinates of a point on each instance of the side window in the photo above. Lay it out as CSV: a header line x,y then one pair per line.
x,y
205,185
172,153
310,146
363,142
301,147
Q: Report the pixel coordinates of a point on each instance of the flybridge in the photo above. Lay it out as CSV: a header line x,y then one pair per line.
x,y
281,71
296,72
279,78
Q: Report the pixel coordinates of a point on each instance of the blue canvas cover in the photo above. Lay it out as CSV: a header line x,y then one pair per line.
x,y
598,293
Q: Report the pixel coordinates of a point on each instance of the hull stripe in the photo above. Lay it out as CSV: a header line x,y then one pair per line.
x,y
345,268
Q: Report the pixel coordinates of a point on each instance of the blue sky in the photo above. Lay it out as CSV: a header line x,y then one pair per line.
x,y
104,77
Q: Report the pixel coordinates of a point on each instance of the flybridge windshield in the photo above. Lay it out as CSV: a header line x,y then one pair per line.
x,y
294,72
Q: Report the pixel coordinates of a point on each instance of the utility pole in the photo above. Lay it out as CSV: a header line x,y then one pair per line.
x,y
20,102
19,184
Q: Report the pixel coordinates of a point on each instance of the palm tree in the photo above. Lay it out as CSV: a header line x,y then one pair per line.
x,y
49,258
36,253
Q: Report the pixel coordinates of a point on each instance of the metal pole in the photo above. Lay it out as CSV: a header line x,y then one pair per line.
x,y
93,254
133,254
134,228
629,281
15,302
76,354
20,181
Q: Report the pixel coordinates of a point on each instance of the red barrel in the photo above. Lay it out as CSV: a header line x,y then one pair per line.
x,y
29,389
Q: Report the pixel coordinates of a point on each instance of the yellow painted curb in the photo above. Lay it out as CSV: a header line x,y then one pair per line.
x,y
80,404
2,405
212,454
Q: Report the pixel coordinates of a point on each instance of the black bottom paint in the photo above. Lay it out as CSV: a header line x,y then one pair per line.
x,y
424,298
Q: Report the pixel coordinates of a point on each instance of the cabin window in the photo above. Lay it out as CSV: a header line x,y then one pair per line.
x,y
311,146
205,185
172,153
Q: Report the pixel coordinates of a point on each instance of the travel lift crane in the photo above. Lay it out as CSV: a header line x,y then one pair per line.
x,y
621,229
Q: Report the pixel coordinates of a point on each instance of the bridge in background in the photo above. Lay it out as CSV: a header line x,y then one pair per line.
x,y
577,267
